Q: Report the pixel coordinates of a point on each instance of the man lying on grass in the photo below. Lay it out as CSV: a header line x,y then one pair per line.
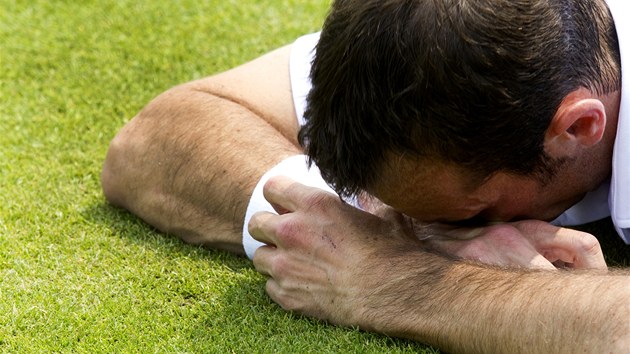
x,y
424,116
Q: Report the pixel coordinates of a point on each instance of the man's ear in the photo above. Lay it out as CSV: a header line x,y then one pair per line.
x,y
579,122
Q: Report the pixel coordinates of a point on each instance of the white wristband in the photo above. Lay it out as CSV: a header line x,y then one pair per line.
x,y
294,167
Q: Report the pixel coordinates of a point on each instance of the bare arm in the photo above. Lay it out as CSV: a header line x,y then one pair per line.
x,y
325,261
469,308
189,161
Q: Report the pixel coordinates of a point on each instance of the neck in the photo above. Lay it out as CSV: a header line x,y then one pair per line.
x,y
571,184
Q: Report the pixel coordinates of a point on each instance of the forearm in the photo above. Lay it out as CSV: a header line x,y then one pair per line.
x,y
188,163
468,308
334,262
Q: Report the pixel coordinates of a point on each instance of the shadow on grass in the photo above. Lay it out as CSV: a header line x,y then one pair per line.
x,y
243,318
261,326
126,225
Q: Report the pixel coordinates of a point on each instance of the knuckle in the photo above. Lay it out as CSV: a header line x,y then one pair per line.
x,y
588,243
284,297
253,224
318,201
279,267
290,232
291,305
277,294
288,303
271,184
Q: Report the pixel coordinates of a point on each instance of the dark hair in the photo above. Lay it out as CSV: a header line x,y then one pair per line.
x,y
474,83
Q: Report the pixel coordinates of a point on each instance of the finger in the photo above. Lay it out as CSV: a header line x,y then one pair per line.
x,y
281,297
587,253
282,231
263,258
263,225
284,193
279,209
287,195
577,248
273,290
500,245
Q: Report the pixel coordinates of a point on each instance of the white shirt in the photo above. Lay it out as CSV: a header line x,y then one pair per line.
x,y
302,53
610,199
613,197
619,199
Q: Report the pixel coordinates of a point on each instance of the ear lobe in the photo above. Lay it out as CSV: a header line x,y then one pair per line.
x,y
577,123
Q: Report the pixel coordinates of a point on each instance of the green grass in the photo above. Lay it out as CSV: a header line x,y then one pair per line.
x,y
77,275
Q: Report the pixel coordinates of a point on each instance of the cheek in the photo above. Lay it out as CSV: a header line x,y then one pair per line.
x,y
511,208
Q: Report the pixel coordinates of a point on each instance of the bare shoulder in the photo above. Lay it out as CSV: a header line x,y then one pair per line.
x,y
262,85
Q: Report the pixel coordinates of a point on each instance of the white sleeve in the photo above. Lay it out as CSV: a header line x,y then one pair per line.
x,y
301,57
302,52
294,167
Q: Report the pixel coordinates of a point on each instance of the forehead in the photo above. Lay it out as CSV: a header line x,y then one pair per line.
x,y
427,187
434,175
445,193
